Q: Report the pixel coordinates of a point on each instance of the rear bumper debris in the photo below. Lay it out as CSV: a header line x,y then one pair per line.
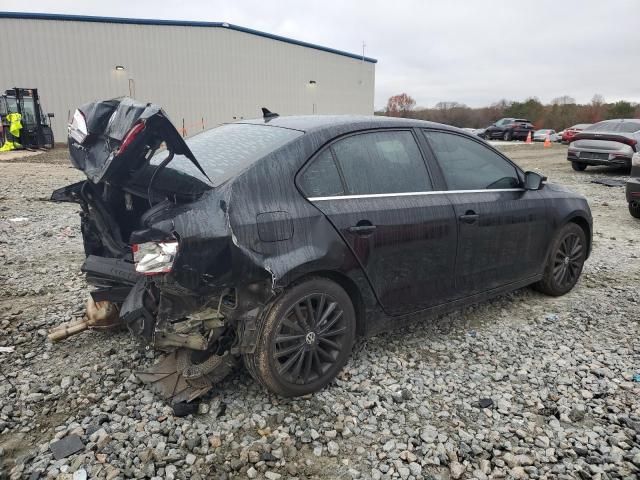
x,y
100,315
177,378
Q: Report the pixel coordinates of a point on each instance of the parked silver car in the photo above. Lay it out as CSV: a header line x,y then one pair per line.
x,y
611,142
541,135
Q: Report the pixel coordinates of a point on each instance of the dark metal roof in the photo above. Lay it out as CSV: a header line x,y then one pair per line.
x,y
179,23
308,123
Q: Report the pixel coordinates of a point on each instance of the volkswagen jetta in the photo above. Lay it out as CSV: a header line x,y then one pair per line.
x,y
276,241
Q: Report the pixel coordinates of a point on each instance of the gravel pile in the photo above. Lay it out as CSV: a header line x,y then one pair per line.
x,y
525,386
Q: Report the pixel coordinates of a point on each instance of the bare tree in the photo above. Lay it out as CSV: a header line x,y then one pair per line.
x,y
563,100
597,108
400,105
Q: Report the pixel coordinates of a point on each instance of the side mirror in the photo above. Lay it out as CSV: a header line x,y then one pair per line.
x,y
533,181
50,115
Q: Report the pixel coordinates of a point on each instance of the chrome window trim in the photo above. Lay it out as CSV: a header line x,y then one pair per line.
x,y
410,194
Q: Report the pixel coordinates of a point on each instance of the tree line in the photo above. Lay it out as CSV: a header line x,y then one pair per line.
x,y
561,113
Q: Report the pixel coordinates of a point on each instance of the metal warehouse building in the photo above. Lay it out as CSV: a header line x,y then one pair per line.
x,y
202,73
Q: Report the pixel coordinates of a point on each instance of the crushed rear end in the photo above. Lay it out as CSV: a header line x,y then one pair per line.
x,y
159,246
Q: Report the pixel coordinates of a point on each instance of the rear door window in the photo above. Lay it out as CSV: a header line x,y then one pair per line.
x,y
381,162
469,165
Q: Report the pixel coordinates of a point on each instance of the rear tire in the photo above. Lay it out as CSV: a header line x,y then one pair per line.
x,y
507,136
297,353
579,167
634,209
565,262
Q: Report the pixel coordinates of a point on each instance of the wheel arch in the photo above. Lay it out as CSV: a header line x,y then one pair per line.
x,y
583,223
349,286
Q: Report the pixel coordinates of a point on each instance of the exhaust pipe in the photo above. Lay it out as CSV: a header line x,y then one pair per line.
x,y
99,315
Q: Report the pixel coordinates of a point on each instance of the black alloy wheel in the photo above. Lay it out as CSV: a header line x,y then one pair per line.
x,y
305,339
309,339
564,266
567,263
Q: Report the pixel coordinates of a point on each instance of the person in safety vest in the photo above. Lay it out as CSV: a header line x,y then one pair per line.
x,y
15,125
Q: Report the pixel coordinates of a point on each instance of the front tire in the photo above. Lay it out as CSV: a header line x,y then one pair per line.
x,y
634,209
305,339
579,167
507,136
565,262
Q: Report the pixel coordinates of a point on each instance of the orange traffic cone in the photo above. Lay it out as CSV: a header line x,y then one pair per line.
x,y
528,138
547,141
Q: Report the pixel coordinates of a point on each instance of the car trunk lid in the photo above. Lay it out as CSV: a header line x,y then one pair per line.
x,y
113,142
604,141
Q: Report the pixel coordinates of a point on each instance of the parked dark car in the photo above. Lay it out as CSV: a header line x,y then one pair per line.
x,y
278,240
611,142
633,186
509,129
569,133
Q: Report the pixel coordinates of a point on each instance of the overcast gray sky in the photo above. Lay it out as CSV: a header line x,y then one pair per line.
x,y
451,50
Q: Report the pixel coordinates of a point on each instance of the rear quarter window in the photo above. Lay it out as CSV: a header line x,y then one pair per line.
x,y
321,178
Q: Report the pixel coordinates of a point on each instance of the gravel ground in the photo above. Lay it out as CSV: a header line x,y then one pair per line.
x,y
558,373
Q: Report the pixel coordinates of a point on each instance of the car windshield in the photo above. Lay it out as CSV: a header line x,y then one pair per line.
x,y
614,126
225,151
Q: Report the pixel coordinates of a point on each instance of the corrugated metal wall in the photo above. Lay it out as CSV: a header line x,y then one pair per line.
x,y
195,73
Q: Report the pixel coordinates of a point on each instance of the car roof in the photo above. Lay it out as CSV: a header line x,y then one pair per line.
x,y
315,123
611,124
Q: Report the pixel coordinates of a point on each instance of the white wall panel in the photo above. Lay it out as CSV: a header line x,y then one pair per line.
x,y
213,73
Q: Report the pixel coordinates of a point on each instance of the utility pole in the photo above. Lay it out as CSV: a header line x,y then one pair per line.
x,y
361,81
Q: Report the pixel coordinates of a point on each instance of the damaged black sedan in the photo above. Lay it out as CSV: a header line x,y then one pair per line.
x,y
274,242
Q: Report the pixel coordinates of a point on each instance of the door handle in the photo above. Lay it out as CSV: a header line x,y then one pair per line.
x,y
362,229
469,217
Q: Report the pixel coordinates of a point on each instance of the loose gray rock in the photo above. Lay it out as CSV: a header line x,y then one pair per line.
x,y
407,405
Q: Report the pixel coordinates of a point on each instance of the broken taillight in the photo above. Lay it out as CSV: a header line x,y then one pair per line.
x,y
131,136
154,257
78,127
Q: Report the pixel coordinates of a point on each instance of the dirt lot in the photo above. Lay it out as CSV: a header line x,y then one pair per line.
x,y
560,371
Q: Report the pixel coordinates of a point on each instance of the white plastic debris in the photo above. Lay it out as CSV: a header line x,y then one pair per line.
x,y
19,219
7,349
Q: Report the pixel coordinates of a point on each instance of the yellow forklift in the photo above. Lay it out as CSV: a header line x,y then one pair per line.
x,y
30,128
